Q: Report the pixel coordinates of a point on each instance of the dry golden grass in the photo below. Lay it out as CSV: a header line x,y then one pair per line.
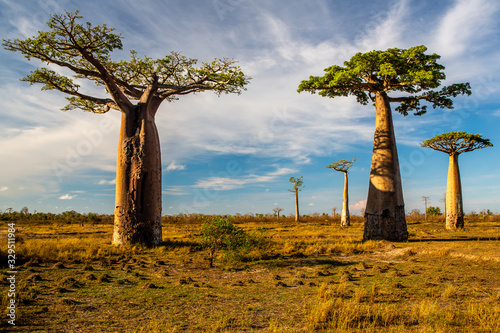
x,y
309,277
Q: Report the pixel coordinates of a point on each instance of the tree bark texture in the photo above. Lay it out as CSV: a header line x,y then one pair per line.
x,y
385,214
296,205
345,220
454,203
138,179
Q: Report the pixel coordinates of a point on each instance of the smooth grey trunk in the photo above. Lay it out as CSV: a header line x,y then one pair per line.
x,y
345,220
385,214
454,203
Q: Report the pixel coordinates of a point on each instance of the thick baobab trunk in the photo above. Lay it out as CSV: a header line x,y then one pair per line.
x,y
385,214
454,204
345,220
138,180
296,205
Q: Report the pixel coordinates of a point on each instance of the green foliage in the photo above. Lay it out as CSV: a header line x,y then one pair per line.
x,y
456,142
342,165
221,234
409,71
86,50
298,184
433,211
486,212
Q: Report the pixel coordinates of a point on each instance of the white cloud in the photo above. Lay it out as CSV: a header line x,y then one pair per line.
x,y
360,205
106,182
228,183
386,29
67,197
464,25
282,171
175,190
311,204
3,188
174,166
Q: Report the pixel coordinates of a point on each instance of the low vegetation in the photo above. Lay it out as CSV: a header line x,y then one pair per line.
x,y
268,275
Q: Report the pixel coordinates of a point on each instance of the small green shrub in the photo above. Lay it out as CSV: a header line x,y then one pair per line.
x,y
220,234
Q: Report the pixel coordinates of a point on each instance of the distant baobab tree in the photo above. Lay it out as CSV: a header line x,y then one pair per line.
x,y
443,200
135,88
298,185
343,166
334,209
375,76
455,143
277,211
425,199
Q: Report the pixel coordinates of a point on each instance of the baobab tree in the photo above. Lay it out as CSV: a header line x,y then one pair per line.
x,y
375,76
298,185
343,166
425,200
277,211
453,144
136,88
443,200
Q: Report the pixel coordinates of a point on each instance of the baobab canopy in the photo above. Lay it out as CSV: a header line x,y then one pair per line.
x,y
457,142
86,51
410,71
342,165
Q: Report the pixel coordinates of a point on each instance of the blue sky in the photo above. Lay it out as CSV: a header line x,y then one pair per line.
x,y
235,154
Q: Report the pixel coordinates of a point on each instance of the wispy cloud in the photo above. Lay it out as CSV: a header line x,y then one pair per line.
x,y
67,197
106,182
174,166
465,25
175,190
228,183
387,27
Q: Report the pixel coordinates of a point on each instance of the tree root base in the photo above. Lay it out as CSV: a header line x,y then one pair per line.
x,y
386,226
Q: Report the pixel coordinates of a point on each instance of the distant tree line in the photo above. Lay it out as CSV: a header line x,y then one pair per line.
x,y
73,217
65,217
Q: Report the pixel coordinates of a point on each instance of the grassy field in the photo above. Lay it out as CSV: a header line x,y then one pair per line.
x,y
306,277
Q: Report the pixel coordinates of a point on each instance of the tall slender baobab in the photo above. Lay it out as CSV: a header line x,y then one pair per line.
x,y
375,76
298,185
85,50
343,166
425,199
455,143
